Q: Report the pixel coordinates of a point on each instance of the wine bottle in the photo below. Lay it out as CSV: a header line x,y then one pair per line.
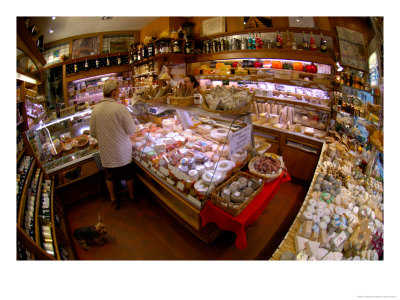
x,y
322,44
249,42
86,65
75,67
305,43
253,42
217,46
180,33
188,50
119,59
278,42
288,40
107,62
176,47
150,50
313,45
243,44
257,42
97,63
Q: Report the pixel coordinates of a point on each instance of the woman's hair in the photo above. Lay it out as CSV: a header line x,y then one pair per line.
x,y
193,80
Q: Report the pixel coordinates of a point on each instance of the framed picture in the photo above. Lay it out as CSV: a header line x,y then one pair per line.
x,y
257,22
213,26
118,46
352,48
302,22
85,47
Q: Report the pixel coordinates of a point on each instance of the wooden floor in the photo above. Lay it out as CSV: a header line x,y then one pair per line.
x,y
145,231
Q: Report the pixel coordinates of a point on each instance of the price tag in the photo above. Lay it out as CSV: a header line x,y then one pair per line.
x,y
240,139
160,174
144,164
153,169
180,186
180,174
171,182
164,171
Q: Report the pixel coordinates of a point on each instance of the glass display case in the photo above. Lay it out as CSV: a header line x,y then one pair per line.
x,y
191,150
291,96
63,142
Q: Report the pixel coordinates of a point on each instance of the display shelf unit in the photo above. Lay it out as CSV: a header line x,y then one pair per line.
x,y
301,83
299,104
288,54
21,209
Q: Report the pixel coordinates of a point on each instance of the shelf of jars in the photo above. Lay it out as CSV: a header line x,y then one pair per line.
x,y
317,57
24,173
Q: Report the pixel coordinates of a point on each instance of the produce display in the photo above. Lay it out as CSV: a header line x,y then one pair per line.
x,y
342,216
227,99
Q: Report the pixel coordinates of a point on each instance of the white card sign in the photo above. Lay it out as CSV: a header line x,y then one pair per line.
x,y
184,118
240,139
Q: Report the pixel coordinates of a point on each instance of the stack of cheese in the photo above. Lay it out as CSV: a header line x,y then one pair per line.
x,y
341,218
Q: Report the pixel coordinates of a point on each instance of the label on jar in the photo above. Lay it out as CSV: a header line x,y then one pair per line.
x,y
180,186
171,182
164,171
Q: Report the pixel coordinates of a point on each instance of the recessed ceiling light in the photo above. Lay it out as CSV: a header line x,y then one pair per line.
x,y
51,31
53,18
298,20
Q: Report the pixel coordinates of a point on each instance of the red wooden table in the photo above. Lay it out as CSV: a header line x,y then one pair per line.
x,y
225,221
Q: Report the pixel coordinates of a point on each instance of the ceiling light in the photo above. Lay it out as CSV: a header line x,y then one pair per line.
x,y
53,18
51,31
298,20
106,18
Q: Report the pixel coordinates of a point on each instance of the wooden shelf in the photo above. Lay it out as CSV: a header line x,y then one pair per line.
x,y
37,207
288,54
295,103
21,154
164,56
96,72
55,244
24,193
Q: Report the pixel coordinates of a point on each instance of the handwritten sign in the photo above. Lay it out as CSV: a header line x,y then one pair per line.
x,y
185,118
239,140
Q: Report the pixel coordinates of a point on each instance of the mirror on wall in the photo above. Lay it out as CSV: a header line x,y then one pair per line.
x,y
26,66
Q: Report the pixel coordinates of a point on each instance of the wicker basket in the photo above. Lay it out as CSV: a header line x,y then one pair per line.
x,y
242,110
158,100
233,209
267,177
181,101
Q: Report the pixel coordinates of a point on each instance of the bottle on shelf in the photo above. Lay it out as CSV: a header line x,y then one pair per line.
x,y
176,47
249,42
278,42
75,67
322,44
107,61
253,42
243,44
97,63
86,65
218,46
119,61
188,49
150,50
313,45
227,46
156,48
181,34
305,44
288,40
